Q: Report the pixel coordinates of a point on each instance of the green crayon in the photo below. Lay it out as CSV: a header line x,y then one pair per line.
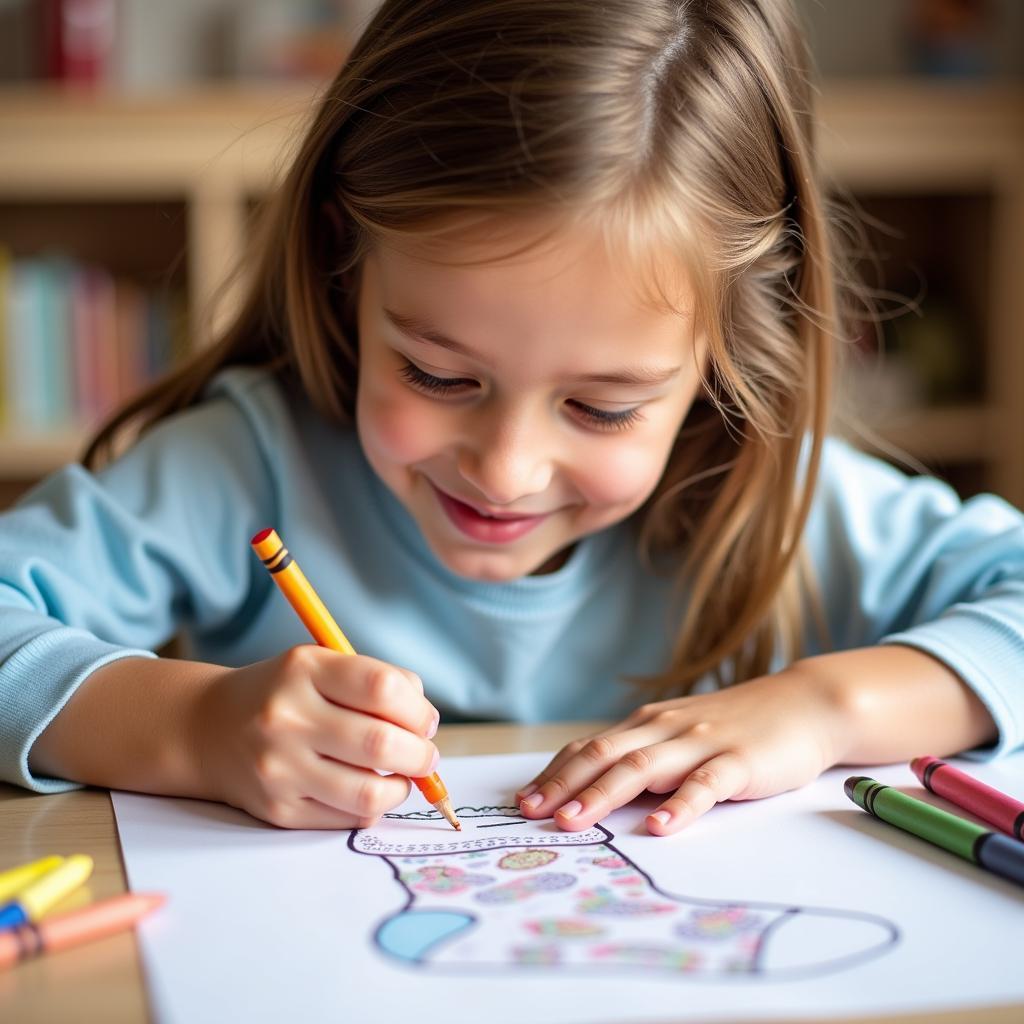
x,y
994,852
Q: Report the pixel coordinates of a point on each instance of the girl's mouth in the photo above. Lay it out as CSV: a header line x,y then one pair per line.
x,y
482,527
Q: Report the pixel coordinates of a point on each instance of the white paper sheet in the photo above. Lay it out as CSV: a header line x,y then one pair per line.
x,y
797,906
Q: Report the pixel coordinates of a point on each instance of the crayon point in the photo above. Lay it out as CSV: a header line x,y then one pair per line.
x,y
921,764
851,784
444,805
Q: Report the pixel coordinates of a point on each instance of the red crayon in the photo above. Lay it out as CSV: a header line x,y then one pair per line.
x,y
61,931
967,792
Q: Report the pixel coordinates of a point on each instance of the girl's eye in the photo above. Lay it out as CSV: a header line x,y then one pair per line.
x,y
424,381
602,419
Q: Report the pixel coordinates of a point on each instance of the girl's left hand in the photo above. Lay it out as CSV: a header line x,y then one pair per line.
x,y
751,740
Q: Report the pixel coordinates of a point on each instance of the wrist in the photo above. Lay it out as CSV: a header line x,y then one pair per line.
x,y
193,756
835,700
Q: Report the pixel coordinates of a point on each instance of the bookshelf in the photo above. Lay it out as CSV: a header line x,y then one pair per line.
x,y
162,185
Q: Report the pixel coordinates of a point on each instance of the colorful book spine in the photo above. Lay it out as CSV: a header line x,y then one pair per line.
x,y
53,275
23,376
75,342
5,293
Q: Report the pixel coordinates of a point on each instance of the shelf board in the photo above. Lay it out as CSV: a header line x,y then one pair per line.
x,y
29,456
67,144
920,135
946,434
887,134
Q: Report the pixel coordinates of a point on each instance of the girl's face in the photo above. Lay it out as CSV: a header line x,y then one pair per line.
x,y
515,407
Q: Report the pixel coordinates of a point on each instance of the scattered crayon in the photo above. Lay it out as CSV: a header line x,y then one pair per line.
x,y
989,850
36,899
1006,813
62,931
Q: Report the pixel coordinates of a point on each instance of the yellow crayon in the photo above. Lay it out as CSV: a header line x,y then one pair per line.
x,y
36,899
15,879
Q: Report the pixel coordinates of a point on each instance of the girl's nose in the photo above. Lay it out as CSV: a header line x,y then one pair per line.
x,y
507,464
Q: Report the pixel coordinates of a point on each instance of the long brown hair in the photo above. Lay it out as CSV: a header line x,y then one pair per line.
x,y
686,124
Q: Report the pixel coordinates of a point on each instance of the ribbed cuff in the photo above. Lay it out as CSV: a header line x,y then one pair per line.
x,y
959,639
36,681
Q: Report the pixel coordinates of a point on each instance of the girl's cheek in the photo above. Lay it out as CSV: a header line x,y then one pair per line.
x,y
398,427
622,474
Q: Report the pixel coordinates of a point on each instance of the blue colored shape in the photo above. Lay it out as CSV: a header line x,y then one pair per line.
x,y
411,934
11,915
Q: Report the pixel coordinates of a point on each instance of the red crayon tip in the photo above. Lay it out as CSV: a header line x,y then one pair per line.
x,y
920,765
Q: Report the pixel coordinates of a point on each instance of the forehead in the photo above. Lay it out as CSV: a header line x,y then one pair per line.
x,y
483,828
530,270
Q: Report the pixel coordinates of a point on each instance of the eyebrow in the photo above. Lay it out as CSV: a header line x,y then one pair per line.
x,y
638,376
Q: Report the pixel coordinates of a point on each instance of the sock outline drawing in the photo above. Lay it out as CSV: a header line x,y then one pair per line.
x,y
589,907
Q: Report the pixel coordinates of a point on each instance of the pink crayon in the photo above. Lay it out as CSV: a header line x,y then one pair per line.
x,y
967,792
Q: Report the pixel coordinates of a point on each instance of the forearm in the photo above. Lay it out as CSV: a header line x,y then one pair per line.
x,y
133,724
897,703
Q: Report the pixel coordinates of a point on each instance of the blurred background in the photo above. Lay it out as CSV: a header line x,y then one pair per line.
x,y
138,136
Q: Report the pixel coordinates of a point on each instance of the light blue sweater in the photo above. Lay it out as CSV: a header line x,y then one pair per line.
x,y
95,567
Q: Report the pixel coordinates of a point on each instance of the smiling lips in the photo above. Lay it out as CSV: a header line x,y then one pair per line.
x,y
497,529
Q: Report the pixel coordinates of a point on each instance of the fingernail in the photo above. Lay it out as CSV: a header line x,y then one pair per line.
x,y
527,790
532,802
436,758
432,731
661,817
571,809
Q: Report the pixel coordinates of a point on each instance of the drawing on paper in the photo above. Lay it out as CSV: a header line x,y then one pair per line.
x,y
508,892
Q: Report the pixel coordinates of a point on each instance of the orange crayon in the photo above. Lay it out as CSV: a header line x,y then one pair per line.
x,y
292,582
62,931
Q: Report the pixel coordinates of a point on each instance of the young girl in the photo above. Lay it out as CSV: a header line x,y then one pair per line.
x,y
534,377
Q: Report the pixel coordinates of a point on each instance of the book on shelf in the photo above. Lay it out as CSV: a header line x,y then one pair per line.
x,y
5,290
76,341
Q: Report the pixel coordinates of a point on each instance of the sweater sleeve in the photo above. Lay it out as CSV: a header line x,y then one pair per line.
x,y
100,566
902,560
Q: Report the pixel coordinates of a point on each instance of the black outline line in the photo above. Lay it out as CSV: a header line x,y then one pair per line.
x,y
758,973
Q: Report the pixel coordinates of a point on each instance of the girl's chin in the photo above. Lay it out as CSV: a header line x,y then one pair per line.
x,y
485,570
495,567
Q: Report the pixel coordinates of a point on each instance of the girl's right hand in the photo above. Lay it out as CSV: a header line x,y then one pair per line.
x,y
298,740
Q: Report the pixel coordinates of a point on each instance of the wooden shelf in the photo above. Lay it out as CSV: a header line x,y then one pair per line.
x,y
946,434
213,150
115,146
895,134
26,456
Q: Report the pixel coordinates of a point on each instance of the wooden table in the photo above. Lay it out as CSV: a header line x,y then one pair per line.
x,y
103,981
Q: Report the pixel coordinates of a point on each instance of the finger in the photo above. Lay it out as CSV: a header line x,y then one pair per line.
x,y
309,813
721,778
640,717
363,794
377,688
412,677
370,742
626,779
583,762
570,750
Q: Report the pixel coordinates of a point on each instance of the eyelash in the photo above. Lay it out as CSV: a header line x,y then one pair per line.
x,y
601,418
